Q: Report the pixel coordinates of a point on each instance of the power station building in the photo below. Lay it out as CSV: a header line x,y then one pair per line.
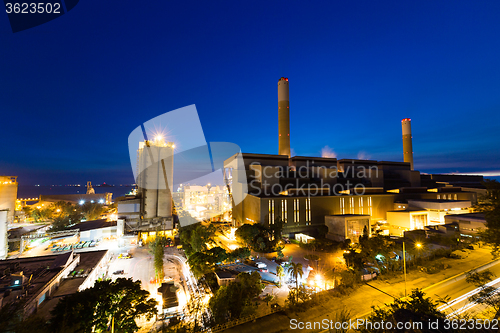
x,y
152,207
309,194
8,196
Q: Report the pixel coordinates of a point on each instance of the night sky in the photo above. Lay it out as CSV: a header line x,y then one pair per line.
x,y
73,89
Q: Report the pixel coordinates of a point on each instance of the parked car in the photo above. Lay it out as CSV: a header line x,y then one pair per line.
x,y
124,256
119,272
260,265
263,270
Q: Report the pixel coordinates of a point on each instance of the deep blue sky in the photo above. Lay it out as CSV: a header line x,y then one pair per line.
x,y
72,90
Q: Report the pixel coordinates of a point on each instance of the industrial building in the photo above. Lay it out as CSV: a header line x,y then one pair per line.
x,y
8,195
97,230
309,193
78,199
41,281
203,202
468,224
170,300
155,166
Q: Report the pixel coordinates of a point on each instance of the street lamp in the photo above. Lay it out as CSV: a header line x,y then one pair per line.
x,y
417,245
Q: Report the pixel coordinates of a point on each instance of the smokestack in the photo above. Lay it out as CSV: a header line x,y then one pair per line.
x,y
407,145
283,117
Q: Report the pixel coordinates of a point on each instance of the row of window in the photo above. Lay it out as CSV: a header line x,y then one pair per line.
x,y
296,209
455,197
361,204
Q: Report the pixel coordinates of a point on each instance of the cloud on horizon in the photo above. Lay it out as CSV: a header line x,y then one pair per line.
x,y
328,152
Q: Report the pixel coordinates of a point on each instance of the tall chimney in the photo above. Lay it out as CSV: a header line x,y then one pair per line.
x,y
283,117
407,146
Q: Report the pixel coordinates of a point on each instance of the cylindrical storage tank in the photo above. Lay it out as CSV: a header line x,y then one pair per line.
x,y
407,144
147,181
8,195
3,235
166,178
283,117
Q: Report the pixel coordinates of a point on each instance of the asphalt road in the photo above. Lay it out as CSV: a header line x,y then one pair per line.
x,y
459,291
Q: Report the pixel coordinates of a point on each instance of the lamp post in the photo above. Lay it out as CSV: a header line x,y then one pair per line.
x,y
404,264
418,246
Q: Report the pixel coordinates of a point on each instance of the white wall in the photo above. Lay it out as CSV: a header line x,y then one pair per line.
x,y
3,235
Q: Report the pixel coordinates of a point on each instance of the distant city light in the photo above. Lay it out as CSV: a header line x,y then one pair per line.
x,y
82,202
91,201
101,201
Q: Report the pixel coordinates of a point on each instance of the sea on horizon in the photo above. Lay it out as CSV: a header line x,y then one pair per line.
x,y
34,191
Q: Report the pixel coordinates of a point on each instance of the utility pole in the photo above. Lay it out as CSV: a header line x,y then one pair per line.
x,y
404,264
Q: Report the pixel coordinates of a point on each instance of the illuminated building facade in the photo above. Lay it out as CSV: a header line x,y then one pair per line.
x,y
302,191
8,195
154,181
205,202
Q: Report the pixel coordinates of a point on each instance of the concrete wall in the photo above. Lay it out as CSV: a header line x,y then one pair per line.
x,y
129,207
97,272
336,228
155,190
409,219
400,219
96,234
344,227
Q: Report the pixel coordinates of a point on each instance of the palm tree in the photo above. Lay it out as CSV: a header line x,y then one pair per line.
x,y
296,270
280,273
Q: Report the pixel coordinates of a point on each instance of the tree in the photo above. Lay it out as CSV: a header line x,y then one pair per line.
x,y
239,253
312,257
235,300
280,273
276,228
158,248
486,294
295,269
196,238
268,298
279,251
415,308
217,255
247,233
92,211
38,213
94,309
200,264
11,320
490,204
